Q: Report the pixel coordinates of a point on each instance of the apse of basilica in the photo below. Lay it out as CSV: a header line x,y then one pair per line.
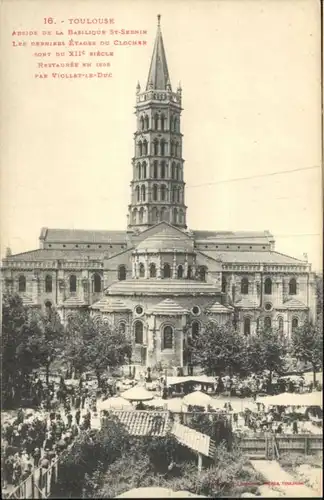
x,y
158,280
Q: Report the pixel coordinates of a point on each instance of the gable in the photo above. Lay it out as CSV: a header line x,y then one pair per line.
x,y
160,227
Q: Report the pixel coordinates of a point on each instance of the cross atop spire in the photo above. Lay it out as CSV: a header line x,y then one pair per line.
x,y
158,75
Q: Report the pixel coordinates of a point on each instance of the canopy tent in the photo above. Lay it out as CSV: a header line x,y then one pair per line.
x,y
137,393
157,492
114,403
197,398
174,404
292,399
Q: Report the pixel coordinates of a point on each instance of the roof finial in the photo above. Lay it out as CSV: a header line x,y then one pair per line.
x,y
159,19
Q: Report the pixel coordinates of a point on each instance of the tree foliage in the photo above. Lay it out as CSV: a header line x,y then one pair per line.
x,y
307,345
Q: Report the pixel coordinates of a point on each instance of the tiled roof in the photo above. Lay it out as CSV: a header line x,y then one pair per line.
x,y
83,236
218,308
253,236
192,439
58,254
246,303
26,300
168,307
144,423
159,287
249,257
293,304
99,304
74,302
166,240
114,305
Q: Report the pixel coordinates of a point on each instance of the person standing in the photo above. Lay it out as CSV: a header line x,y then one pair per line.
x,y
78,416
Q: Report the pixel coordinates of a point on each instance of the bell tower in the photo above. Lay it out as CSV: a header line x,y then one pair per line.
x,y
157,187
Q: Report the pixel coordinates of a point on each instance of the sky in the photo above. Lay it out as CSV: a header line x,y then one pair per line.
x,y
250,75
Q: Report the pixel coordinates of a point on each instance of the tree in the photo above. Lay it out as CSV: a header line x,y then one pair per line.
x,y
51,339
79,334
319,299
266,351
307,346
219,348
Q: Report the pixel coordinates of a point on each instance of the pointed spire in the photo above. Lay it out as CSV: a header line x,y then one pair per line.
x,y
158,74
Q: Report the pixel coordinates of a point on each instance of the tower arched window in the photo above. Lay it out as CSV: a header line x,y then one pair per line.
x,y
152,270
195,328
155,147
155,192
138,171
180,272
163,147
162,169
138,332
267,323
73,283
173,168
164,214
294,324
167,341
166,270
155,170
147,122
175,124
292,286
268,286
156,122
176,149
202,273
247,326
280,324
172,149
96,283
154,214
142,123
140,148
163,193
178,195
179,172
142,270
162,122
190,273
244,286
181,217
48,283
134,216
175,216
22,283
145,147
137,191
144,170
141,215
171,123
121,272
143,192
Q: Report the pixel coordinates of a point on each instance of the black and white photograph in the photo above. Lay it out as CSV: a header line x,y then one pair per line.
x,y
161,249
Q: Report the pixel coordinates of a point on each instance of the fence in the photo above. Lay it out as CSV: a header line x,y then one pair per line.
x,y
272,446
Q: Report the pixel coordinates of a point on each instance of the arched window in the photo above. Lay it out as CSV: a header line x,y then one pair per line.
x,y
162,122
267,322
247,326
176,149
48,284
143,192
155,192
162,170
224,283
141,215
244,286
142,270
147,122
268,286
140,148
163,193
175,216
154,214
162,147
292,287
167,342
134,216
138,171
202,273
179,172
190,273
121,272
178,195
171,122
156,122
22,283
181,217
173,168
155,146
152,270
294,324
144,170
137,191
138,332
166,270
122,327
195,329
175,124
145,147
73,283
142,123
96,283
172,148
280,324
155,170
180,272
48,306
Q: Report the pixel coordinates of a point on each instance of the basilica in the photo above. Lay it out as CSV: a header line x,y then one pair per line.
x,y
158,280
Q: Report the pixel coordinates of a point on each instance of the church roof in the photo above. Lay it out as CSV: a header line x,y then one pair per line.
x,y
247,303
240,236
292,304
158,74
161,287
168,307
60,254
82,236
113,304
73,301
218,308
165,240
26,300
250,257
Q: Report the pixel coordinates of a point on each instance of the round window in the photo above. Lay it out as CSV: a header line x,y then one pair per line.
x,y
139,310
268,306
195,310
